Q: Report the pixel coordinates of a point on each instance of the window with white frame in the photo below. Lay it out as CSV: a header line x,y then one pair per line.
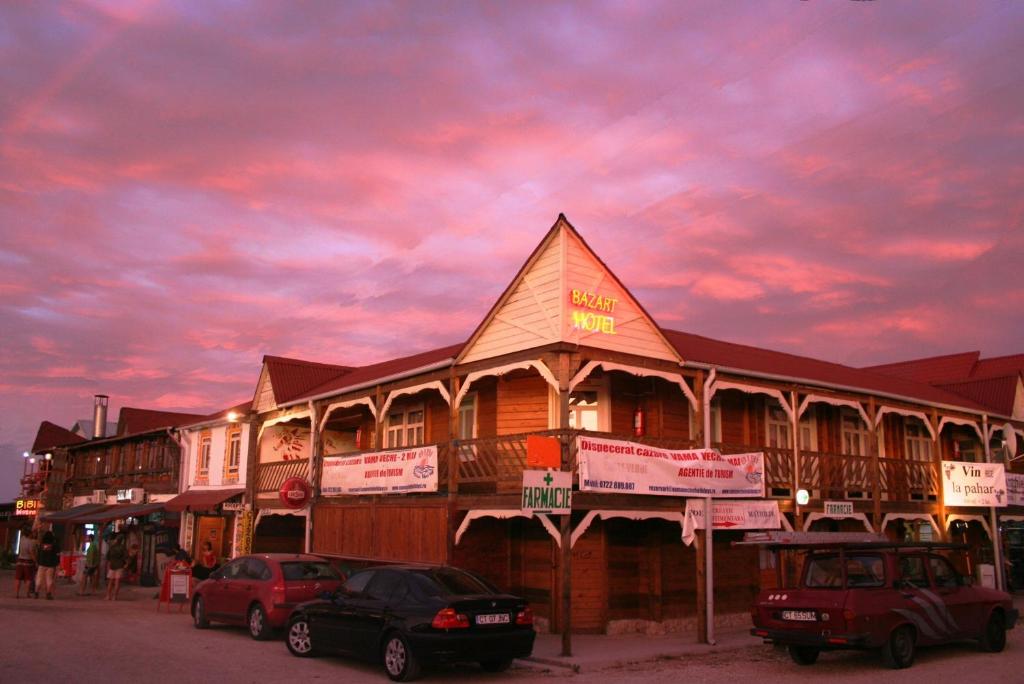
x,y
779,433
918,440
234,453
716,422
467,427
203,463
855,433
589,404
778,428
405,427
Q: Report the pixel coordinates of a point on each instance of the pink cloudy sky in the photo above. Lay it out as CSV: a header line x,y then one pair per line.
x,y
186,186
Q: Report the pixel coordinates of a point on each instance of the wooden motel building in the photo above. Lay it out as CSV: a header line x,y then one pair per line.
x,y
568,350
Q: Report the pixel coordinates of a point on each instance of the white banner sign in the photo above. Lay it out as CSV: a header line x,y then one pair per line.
x,y
383,472
619,467
732,515
973,484
1015,489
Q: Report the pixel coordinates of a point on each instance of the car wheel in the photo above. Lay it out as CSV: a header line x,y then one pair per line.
x,y
898,651
804,655
199,620
496,665
258,627
399,662
299,639
993,639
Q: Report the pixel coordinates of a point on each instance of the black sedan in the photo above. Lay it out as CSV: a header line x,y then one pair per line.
x,y
411,616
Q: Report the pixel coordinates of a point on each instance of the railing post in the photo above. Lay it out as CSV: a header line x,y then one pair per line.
x,y
564,376
875,464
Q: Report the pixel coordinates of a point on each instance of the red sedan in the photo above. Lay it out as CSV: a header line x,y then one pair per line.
x,y
261,590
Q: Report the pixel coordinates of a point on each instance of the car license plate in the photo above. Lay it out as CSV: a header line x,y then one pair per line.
x,y
800,615
493,619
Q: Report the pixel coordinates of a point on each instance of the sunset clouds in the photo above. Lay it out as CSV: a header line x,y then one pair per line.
x,y
186,186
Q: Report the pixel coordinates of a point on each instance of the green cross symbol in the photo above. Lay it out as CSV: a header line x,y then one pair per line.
x,y
548,479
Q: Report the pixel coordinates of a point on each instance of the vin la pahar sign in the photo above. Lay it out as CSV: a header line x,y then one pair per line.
x,y
973,484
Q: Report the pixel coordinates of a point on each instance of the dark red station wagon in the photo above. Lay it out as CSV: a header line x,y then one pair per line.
x,y
892,597
261,590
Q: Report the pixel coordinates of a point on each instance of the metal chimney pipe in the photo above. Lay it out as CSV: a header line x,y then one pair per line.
x,y
99,416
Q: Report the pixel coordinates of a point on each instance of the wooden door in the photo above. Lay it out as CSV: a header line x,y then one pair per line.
x,y
210,528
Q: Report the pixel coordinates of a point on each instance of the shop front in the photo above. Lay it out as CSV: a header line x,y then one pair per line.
x,y
209,515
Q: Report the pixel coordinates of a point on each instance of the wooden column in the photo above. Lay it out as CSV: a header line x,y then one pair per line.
x,y
700,543
937,459
453,461
378,437
876,465
564,376
797,515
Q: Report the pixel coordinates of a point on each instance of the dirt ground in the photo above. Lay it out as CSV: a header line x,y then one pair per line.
x,y
87,639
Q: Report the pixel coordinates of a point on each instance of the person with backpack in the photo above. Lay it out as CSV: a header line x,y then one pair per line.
x,y
47,558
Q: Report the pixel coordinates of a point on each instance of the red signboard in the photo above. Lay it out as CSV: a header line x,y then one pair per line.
x,y
295,493
27,506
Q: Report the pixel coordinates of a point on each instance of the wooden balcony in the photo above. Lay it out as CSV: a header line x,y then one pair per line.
x,y
494,465
270,476
160,479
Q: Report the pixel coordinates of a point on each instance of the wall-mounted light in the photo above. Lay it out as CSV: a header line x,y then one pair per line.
x,y
803,497
25,454
232,416
49,456
31,460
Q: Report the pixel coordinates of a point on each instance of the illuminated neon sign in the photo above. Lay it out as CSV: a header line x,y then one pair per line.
x,y
593,313
27,506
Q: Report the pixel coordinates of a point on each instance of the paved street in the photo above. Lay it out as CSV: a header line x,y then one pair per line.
x,y
88,639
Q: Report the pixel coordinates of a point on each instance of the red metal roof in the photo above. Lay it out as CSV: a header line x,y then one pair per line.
x,y
999,366
932,369
745,358
132,421
997,394
50,436
384,369
292,378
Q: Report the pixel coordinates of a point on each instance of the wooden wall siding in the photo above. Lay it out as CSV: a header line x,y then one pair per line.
x,y
737,574
590,581
532,566
410,534
486,407
485,549
530,316
734,416
522,404
634,332
631,577
623,389
678,571
264,393
437,418
675,411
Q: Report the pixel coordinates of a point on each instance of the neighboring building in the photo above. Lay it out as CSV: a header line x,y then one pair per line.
x,y
568,351
44,474
214,476
283,449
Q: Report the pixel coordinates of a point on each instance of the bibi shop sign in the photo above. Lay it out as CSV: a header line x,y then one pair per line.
x,y
973,484
383,472
621,467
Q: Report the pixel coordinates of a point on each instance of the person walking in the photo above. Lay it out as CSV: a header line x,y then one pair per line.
x,y
91,571
47,557
117,558
25,566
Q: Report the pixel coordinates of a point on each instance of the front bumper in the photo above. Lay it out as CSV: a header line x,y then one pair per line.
x,y
451,647
798,638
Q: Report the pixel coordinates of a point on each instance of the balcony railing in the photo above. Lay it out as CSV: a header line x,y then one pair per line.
x,y
270,476
494,465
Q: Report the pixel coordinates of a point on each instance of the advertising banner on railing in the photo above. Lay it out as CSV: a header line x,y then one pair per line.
x,y
621,467
382,472
732,515
1015,489
973,484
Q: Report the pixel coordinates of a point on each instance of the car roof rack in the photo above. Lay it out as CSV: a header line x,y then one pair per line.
x,y
835,540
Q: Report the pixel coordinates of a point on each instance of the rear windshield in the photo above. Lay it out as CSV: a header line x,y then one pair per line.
x,y
862,570
309,570
448,581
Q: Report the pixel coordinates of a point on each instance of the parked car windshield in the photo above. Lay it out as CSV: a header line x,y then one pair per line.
x,y
309,570
449,581
862,570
